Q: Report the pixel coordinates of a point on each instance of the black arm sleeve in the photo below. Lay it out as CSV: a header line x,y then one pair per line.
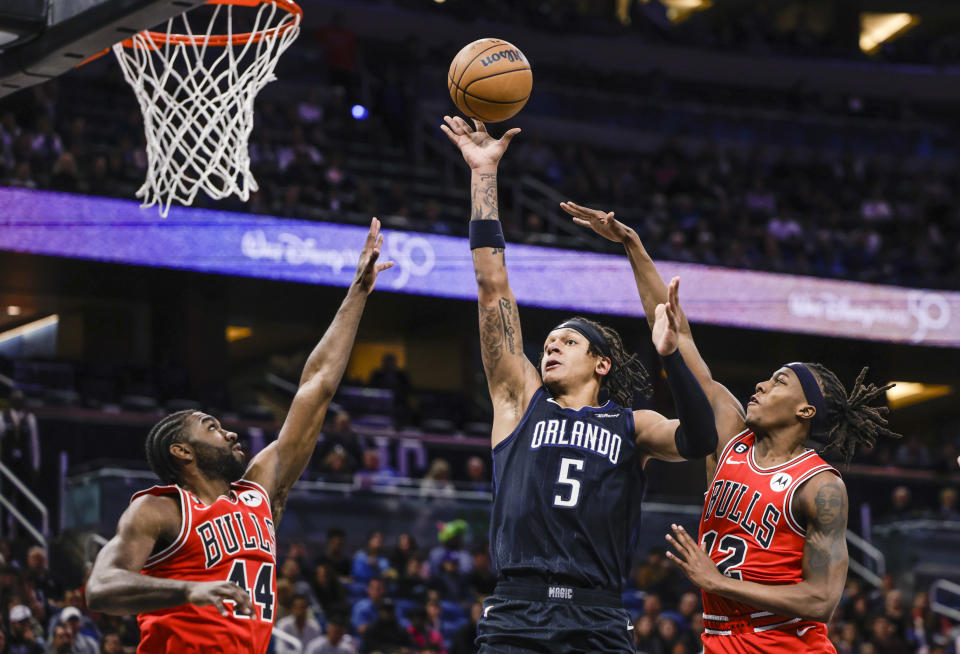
x,y
696,436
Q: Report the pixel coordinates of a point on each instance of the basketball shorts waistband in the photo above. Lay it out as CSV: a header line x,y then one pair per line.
x,y
559,593
754,623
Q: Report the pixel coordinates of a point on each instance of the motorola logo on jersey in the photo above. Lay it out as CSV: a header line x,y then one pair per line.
x,y
231,533
740,448
581,435
251,498
780,482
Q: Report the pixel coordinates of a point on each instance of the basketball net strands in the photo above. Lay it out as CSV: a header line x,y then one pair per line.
x,y
196,90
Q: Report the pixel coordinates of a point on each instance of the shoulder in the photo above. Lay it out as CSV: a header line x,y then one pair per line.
x,y
645,418
822,499
153,510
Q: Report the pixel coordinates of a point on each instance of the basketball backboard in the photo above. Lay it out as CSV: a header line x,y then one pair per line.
x,y
40,40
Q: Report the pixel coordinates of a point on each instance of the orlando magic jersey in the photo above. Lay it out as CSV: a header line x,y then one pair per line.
x,y
568,484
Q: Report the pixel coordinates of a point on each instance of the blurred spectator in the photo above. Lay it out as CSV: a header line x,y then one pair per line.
x,y
449,583
19,448
902,505
436,483
370,561
896,613
385,634
25,634
477,474
38,575
405,548
335,641
462,641
62,641
646,637
111,644
301,624
390,376
424,637
481,580
334,554
341,433
948,505
328,590
336,466
884,637
80,643
365,610
373,473
451,536
285,595
413,580
290,570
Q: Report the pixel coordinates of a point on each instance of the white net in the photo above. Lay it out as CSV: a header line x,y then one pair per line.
x,y
196,92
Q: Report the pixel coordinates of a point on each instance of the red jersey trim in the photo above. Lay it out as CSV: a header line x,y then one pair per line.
x,y
767,471
726,448
181,538
788,497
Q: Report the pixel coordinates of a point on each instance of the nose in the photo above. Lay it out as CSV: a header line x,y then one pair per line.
x,y
553,347
231,436
759,388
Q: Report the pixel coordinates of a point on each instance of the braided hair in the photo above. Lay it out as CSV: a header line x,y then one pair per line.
x,y
627,374
851,420
165,433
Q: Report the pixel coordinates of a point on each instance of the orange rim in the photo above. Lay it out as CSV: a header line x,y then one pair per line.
x,y
162,38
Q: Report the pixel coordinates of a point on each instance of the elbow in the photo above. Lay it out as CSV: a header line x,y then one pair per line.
x,y
95,595
490,282
820,608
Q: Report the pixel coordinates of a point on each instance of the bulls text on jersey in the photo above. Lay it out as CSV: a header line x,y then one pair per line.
x,y
737,503
579,434
230,533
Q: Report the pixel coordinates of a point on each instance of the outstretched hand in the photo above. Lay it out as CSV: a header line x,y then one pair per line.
x,y
693,559
479,149
603,223
666,327
367,267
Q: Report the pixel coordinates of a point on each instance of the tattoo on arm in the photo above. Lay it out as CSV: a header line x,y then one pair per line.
x,y
484,198
491,337
826,543
506,311
277,505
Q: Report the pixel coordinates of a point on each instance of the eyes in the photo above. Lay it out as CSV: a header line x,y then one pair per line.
x,y
569,341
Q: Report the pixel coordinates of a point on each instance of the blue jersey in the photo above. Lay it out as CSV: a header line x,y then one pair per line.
x,y
568,485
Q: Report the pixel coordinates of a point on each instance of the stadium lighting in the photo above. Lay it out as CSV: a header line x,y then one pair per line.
x,y
14,310
680,10
359,112
29,328
907,393
876,29
235,333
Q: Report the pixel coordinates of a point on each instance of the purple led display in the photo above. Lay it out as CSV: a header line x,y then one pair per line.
x,y
226,243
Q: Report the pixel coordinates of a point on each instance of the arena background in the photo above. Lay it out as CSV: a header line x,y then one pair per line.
x,y
802,187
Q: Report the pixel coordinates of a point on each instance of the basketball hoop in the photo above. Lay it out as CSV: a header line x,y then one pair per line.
x,y
197,102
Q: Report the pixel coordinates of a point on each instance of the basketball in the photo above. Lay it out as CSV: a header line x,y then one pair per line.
x,y
490,80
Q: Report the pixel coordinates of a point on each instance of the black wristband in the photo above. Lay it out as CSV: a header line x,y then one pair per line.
x,y
486,234
696,437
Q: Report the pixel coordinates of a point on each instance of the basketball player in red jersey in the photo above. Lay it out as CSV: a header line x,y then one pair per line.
x,y
772,558
196,558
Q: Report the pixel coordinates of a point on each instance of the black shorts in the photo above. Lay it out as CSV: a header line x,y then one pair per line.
x,y
514,623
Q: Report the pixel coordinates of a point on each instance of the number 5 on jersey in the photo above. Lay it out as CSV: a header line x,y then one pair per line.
x,y
565,479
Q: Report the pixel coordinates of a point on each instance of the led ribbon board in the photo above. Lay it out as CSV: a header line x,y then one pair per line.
x,y
225,243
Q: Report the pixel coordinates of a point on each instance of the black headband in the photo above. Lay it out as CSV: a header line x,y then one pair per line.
x,y
589,332
812,393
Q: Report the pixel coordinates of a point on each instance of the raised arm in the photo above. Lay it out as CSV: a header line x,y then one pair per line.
x,y
116,585
728,411
823,502
281,463
511,377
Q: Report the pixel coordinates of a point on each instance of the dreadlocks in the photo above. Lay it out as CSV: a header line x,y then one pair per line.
x,y
165,433
851,421
627,374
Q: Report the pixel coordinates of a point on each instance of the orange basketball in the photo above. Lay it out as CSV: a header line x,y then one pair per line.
x,y
490,80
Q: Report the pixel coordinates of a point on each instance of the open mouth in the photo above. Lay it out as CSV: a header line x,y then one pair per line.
x,y
753,400
550,365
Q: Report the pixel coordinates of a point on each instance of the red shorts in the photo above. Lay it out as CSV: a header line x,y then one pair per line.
x,y
806,638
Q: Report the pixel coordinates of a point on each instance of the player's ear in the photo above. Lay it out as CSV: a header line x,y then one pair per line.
x,y
604,364
182,451
806,411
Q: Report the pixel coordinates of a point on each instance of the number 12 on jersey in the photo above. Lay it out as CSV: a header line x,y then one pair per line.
x,y
735,549
564,478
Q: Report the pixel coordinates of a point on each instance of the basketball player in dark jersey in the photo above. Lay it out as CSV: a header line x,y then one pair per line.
x,y
197,558
568,470
771,586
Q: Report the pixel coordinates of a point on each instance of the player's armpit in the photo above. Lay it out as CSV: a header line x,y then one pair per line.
x,y
823,501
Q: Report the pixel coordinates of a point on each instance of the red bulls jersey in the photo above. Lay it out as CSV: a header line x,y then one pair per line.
x,y
751,533
230,540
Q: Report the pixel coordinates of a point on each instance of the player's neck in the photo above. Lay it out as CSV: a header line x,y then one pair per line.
x,y
207,489
583,397
776,447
